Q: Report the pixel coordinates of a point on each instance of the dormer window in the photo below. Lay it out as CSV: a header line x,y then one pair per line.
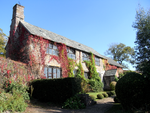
x,y
85,56
52,49
71,53
97,61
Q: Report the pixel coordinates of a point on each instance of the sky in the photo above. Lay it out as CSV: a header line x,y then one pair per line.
x,y
94,23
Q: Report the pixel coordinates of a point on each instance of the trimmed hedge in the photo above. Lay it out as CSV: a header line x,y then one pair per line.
x,y
93,97
100,96
105,95
133,92
113,85
55,90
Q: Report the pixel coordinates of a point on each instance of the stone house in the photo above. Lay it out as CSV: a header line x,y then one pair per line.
x,y
41,48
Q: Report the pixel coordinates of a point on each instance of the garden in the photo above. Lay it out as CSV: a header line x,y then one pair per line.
x,y
130,90
18,88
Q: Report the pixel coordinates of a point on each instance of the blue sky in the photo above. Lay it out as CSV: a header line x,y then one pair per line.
x,y
95,23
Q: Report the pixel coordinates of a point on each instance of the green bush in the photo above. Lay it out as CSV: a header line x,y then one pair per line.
x,y
93,97
13,102
96,85
105,95
132,91
55,90
100,96
19,88
116,100
109,94
73,103
13,96
112,92
113,85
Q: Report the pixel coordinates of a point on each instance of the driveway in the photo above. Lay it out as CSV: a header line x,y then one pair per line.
x,y
101,107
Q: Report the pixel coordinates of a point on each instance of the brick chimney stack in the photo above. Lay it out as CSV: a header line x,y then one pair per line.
x,y
18,15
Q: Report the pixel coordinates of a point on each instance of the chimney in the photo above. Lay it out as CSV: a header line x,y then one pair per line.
x,y
18,15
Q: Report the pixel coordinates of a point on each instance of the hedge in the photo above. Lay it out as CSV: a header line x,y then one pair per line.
x,y
55,90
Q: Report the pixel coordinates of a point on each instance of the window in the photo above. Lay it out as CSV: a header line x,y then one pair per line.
x,y
52,72
71,53
97,61
85,56
75,72
86,75
52,49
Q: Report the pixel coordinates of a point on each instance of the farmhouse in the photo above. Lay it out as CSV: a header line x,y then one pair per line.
x,y
48,52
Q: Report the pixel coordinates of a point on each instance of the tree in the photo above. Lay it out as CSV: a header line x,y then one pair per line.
x,y
121,53
3,39
142,49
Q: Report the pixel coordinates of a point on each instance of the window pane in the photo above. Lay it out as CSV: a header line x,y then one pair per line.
x,y
86,58
54,47
74,57
57,53
69,55
58,73
86,75
83,58
67,50
50,51
72,51
75,72
47,50
83,54
50,46
50,77
49,72
45,72
54,70
54,75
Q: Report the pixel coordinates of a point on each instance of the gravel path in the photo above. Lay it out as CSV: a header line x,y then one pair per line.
x,y
101,107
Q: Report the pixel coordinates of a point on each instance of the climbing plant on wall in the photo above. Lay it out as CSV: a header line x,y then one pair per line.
x,y
94,79
80,71
71,66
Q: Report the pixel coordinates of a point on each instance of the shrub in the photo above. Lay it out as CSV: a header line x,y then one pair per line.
x,y
96,85
11,102
112,92
113,85
73,103
84,86
132,91
19,88
100,96
109,93
93,97
55,90
116,100
105,95
13,96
